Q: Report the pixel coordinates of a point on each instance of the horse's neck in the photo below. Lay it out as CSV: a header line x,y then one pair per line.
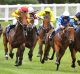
x,y
62,35
24,19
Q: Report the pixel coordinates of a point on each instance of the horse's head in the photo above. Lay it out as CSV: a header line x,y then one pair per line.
x,y
69,33
46,22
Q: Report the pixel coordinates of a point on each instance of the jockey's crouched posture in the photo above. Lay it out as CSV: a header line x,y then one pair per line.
x,y
76,20
62,22
23,11
43,13
33,18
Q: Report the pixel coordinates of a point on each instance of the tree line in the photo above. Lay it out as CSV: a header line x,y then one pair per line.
x,y
37,1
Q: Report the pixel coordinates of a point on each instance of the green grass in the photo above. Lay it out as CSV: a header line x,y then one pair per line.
x,y
35,67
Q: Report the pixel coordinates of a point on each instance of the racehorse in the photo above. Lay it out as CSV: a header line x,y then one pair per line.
x,y
42,33
75,47
1,30
30,38
59,44
15,40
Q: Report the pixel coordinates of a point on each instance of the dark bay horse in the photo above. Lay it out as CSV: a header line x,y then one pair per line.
x,y
59,44
76,47
30,38
16,39
43,32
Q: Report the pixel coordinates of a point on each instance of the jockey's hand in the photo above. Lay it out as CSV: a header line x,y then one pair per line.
x,y
40,18
62,27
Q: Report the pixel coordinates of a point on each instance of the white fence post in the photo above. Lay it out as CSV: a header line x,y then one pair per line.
x,y
6,12
78,8
6,17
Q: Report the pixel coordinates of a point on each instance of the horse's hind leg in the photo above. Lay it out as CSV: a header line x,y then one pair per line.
x,y
5,41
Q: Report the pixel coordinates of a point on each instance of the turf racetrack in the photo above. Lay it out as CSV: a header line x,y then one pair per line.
x,y
35,67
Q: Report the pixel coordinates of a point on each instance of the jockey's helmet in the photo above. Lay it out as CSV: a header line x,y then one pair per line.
x,y
47,9
30,9
78,15
66,13
23,9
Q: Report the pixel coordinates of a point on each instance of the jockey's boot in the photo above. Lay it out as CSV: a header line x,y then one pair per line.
x,y
36,30
9,28
39,30
52,35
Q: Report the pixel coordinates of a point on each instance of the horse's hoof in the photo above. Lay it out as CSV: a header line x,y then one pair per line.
x,y
78,62
73,66
6,58
50,58
46,58
18,64
57,62
38,55
56,69
11,55
30,59
42,61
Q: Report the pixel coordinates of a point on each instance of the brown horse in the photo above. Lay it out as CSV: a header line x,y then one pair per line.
x,y
30,39
59,44
1,30
75,47
42,33
16,39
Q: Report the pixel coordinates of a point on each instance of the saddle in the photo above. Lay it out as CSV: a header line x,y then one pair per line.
x,y
8,29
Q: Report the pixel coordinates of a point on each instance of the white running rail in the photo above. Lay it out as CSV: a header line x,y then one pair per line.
x,y
58,9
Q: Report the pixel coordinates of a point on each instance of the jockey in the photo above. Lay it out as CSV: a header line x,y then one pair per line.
x,y
44,12
77,20
33,17
62,21
16,14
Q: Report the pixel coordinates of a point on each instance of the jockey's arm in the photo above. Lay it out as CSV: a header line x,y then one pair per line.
x,y
72,23
53,19
35,22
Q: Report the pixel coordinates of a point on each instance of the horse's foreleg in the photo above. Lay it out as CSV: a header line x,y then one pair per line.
x,y
40,52
46,53
58,57
10,52
52,57
30,54
73,55
5,45
19,55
